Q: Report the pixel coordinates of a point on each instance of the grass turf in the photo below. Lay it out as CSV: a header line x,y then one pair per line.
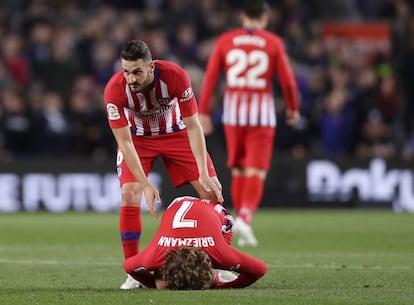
x,y
314,257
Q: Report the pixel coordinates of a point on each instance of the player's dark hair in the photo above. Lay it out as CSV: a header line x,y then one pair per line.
x,y
136,49
255,8
187,269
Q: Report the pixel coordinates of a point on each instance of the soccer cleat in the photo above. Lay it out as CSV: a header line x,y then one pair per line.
x,y
244,233
226,276
131,283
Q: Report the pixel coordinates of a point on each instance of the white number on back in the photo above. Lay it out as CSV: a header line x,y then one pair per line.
x,y
180,221
247,69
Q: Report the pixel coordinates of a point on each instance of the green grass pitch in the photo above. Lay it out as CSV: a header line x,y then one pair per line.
x,y
314,257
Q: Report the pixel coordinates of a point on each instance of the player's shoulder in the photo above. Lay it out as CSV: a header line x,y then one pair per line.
x,y
166,65
170,72
115,92
273,38
232,36
117,81
196,203
181,199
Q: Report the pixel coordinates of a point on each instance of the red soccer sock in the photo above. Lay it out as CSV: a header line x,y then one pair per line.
x,y
236,189
251,196
130,228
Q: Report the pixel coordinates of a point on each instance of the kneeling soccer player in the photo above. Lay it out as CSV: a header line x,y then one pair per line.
x,y
191,250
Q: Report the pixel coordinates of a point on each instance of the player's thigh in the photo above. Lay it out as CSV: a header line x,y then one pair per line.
x,y
147,153
259,148
235,145
249,146
180,162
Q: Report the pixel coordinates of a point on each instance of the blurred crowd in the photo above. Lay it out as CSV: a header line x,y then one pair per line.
x,y
56,57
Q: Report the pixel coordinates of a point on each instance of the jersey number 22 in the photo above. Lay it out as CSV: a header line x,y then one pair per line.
x,y
247,68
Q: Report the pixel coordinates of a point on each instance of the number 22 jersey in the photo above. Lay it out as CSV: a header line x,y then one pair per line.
x,y
250,59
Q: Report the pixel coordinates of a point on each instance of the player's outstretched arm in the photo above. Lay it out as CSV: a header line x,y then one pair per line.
x,y
250,269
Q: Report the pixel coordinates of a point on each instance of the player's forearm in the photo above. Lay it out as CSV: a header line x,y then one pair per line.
x,y
146,278
290,94
198,147
243,280
124,141
134,163
251,269
288,84
197,143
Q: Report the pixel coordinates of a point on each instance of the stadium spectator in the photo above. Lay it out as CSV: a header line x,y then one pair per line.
x,y
152,112
14,59
55,125
90,133
18,125
374,139
205,227
61,69
250,58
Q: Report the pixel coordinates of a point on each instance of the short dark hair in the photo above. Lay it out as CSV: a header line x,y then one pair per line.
x,y
255,8
187,269
136,49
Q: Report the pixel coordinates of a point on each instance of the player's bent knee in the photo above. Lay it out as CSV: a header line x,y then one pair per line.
x,y
131,194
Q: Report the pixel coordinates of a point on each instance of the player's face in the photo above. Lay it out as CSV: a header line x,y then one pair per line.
x,y
160,284
138,74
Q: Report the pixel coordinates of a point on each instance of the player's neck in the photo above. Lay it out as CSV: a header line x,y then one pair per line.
x,y
254,24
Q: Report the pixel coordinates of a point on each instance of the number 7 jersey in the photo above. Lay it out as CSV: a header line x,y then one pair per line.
x,y
250,60
194,222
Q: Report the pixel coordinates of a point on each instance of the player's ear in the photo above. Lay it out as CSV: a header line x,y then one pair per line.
x,y
242,17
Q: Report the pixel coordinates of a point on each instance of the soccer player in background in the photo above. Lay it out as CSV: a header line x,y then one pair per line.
x,y
152,112
190,248
250,58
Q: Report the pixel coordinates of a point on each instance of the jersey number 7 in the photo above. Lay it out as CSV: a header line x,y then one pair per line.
x,y
179,220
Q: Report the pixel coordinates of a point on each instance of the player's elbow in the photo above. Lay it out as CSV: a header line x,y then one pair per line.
x,y
261,270
128,266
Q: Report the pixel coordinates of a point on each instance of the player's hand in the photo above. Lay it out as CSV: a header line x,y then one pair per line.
x,y
206,124
152,196
292,117
212,184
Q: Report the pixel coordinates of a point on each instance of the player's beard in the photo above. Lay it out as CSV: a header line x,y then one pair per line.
x,y
141,87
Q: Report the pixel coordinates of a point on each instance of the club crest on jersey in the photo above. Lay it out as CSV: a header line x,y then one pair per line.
x,y
113,112
187,95
164,101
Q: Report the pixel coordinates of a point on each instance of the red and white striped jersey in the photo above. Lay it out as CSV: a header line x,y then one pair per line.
x,y
250,60
158,111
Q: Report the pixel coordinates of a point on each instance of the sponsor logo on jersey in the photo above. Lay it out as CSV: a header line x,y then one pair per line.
x,y
151,113
187,95
163,101
113,112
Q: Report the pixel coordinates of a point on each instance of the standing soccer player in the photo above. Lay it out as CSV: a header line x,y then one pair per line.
x,y
173,259
153,113
250,57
